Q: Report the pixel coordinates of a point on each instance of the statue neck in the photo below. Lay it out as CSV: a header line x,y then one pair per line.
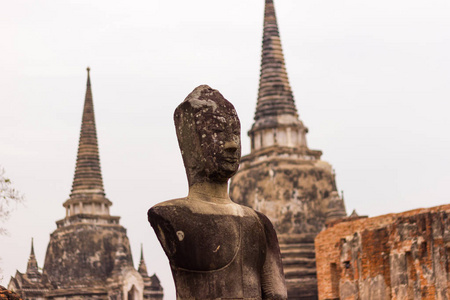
x,y
210,192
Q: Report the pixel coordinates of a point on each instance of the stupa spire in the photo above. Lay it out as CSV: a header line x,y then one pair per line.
x,y
88,195
142,269
32,266
32,247
275,94
88,176
276,118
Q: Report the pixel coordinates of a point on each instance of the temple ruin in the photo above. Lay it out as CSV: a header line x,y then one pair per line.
x,y
394,256
89,254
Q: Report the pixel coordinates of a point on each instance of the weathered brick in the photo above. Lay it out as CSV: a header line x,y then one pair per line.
x,y
394,256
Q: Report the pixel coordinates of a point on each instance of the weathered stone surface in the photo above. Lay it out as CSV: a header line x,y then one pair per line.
x,y
84,254
208,132
395,256
217,249
294,193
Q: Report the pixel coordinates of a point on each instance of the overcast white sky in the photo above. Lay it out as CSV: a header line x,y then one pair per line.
x,y
370,79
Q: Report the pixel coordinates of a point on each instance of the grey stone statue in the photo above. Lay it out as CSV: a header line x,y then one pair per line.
x,y
217,249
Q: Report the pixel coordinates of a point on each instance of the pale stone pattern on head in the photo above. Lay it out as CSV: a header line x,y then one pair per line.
x,y
205,97
201,91
202,107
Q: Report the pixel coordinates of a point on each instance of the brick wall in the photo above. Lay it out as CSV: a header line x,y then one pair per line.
x,y
395,256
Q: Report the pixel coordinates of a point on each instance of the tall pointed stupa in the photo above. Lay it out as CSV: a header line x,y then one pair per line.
x,y
88,195
282,177
89,254
276,119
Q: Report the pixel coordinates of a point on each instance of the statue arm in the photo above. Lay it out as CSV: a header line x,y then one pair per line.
x,y
272,278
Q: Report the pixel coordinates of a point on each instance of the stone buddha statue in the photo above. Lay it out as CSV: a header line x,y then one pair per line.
x,y
217,249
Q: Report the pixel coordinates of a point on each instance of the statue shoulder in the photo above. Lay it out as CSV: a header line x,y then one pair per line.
x,y
166,211
173,202
264,221
260,216
165,207
247,211
162,217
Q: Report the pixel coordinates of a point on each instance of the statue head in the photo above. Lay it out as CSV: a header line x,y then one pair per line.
x,y
208,131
